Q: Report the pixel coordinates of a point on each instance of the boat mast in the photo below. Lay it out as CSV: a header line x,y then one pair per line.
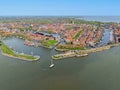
x,y
51,60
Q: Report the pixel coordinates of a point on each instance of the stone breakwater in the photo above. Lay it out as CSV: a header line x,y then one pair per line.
x,y
73,53
6,51
36,57
95,49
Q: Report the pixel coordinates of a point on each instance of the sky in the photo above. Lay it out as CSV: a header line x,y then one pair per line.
x,y
59,7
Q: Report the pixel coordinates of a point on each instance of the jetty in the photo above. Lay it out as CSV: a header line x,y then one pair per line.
x,y
81,53
6,51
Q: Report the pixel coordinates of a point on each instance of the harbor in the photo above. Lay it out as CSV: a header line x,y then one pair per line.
x,y
75,69
60,45
94,66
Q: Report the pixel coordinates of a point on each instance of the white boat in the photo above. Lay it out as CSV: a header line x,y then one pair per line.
x,y
52,65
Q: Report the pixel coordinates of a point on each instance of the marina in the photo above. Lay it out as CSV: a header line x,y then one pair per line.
x,y
75,70
98,70
60,45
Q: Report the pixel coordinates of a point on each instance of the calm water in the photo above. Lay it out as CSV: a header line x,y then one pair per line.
x,y
98,71
101,18
105,38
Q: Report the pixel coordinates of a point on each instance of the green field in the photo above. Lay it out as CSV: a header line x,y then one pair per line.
x,y
49,43
7,50
10,52
70,47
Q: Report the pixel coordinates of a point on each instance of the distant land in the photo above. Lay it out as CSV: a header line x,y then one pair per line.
x,y
89,18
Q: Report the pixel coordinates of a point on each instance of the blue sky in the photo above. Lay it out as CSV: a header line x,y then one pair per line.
x,y
59,7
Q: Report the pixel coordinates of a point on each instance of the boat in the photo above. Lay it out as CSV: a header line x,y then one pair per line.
x,y
52,65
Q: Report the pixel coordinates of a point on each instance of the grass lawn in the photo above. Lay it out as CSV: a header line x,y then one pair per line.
x,y
9,51
49,43
71,47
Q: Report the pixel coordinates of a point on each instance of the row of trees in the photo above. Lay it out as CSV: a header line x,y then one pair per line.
x,y
70,47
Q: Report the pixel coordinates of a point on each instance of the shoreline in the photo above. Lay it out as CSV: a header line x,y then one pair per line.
x,y
6,51
11,56
81,53
50,47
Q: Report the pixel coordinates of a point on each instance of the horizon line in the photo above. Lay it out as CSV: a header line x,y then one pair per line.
x,y
57,15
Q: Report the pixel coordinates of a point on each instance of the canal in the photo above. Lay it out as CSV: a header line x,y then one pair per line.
x,y
105,38
98,71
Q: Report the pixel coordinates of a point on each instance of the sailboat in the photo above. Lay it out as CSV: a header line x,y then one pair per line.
x,y
51,60
52,64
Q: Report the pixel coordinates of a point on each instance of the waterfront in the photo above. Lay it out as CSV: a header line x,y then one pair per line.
x,y
98,71
59,45
105,38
